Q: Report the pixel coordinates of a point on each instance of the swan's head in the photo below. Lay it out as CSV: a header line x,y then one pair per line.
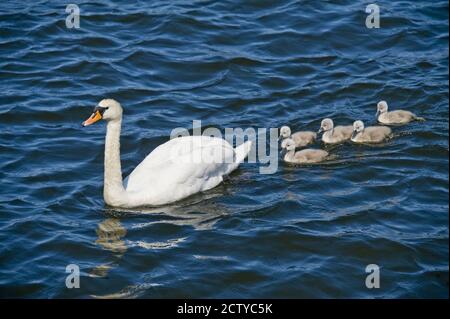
x,y
285,132
326,125
107,109
358,126
288,144
382,107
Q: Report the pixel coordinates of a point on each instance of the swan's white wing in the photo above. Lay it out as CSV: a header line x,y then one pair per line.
x,y
181,167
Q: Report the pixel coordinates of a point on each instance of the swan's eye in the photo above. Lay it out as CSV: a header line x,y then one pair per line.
x,y
100,109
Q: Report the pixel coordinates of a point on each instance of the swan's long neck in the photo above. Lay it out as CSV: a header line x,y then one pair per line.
x,y
113,192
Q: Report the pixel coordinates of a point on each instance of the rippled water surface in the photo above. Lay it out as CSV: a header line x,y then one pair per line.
x,y
301,232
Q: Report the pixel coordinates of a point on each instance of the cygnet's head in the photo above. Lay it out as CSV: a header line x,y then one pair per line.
x,y
288,144
382,107
358,126
285,132
326,125
107,109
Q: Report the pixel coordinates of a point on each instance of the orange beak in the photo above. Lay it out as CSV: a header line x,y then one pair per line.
x,y
95,117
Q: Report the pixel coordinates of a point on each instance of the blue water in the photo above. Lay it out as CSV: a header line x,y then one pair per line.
x,y
303,232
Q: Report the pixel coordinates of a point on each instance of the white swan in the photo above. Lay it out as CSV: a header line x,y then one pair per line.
x,y
174,170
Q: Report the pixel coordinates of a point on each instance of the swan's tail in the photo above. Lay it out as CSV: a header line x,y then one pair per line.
x,y
242,151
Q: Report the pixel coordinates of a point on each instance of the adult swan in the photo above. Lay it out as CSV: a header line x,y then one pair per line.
x,y
174,170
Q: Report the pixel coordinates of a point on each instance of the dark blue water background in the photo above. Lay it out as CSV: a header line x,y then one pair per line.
x,y
301,232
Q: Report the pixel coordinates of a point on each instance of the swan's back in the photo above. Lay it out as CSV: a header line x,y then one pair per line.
x,y
310,155
397,117
373,134
303,138
183,166
340,134
344,131
377,133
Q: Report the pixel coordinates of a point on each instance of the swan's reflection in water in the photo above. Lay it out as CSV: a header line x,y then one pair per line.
x,y
199,215
200,212
110,233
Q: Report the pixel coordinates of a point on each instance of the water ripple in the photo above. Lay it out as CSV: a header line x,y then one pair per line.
x,y
303,232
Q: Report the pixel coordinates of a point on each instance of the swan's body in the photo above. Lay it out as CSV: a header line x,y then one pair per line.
x,y
394,117
371,134
301,138
174,170
306,156
334,135
171,172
